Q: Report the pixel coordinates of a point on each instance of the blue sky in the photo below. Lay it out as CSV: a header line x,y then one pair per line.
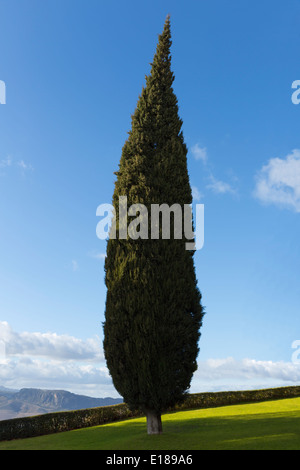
x,y
73,73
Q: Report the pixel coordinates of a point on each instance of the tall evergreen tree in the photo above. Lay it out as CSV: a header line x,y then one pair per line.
x,y
153,307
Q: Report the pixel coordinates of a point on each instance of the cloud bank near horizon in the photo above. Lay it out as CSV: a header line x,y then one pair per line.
x,y
52,361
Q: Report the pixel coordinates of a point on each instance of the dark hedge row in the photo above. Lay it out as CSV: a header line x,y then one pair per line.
x,y
66,421
211,400
51,423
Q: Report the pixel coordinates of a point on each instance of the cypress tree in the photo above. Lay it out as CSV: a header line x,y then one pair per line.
x,y
153,306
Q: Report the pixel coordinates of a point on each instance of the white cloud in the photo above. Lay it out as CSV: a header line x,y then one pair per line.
x,y
49,345
21,164
49,360
197,196
98,256
24,166
228,373
199,153
278,182
6,162
248,369
220,187
215,185
78,378
75,265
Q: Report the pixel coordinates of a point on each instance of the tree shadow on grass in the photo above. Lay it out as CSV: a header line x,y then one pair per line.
x,y
259,431
247,432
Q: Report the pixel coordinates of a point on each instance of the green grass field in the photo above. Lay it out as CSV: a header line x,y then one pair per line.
x,y
272,425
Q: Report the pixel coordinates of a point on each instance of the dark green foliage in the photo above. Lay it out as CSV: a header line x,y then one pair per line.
x,y
216,399
61,421
153,308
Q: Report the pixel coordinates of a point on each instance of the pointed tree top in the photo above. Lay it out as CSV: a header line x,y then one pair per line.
x,y
167,25
164,45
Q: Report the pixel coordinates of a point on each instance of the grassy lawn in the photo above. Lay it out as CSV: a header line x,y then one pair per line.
x,y
272,425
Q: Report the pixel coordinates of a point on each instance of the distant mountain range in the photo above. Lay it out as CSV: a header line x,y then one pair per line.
x,y
33,401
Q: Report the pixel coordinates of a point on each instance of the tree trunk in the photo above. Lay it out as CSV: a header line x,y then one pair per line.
x,y
154,425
